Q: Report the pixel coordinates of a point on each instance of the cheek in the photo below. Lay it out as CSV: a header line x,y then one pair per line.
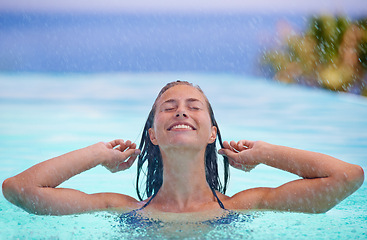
x,y
158,122
158,127
206,124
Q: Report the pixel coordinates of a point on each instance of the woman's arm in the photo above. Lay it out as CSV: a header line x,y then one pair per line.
x,y
35,190
326,180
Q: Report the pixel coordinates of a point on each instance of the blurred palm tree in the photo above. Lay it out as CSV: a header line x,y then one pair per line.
x,y
332,53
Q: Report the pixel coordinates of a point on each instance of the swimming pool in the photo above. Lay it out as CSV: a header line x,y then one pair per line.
x,y
45,115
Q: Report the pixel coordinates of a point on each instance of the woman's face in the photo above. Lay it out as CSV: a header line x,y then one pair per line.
x,y
182,120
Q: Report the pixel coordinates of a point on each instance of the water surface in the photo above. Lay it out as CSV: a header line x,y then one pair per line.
x,y
45,115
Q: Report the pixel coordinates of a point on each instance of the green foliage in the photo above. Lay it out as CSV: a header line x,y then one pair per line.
x,y
328,32
332,53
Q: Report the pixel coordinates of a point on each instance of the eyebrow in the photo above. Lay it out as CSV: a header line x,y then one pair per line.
x,y
187,100
193,100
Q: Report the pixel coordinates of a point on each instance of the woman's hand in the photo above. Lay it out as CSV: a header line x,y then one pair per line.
x,y
121,155
241,155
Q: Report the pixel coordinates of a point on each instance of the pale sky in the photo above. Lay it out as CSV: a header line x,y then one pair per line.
x,y
313,6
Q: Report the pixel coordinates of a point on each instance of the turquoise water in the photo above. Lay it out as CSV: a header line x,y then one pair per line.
x,y
45,115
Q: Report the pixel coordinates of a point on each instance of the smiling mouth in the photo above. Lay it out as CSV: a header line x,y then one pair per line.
x,y
181,127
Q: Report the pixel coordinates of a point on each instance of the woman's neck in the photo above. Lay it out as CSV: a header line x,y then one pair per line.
x,y
184,181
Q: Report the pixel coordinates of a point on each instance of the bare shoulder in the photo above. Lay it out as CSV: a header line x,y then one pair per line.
x,y
245,200
117,201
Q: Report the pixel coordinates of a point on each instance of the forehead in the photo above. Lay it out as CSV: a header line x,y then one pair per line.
x,y
181,92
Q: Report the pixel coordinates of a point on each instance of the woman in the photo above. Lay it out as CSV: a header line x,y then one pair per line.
x,y
178,143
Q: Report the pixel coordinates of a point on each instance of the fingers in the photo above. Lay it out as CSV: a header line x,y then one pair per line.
x,y
230,150
240,145
122,160
123,155
131,155
228,153
127,145
234,151
226,145
246,143
231,146
121,145
115,143
237,146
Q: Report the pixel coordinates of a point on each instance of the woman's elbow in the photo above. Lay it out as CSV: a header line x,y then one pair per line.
x,y
349,181
355,177
11,191
14,192
346,183
360,174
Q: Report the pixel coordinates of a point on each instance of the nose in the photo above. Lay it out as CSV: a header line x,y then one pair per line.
x,y
181,114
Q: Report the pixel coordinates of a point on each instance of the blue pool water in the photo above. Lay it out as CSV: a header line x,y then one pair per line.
x,y
45,115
